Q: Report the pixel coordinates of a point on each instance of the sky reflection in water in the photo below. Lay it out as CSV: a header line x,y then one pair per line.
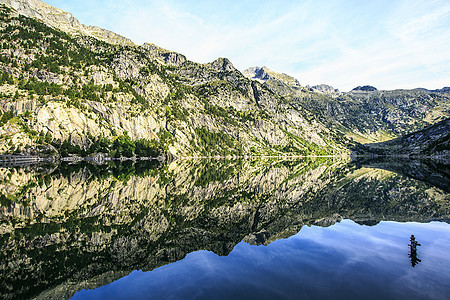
x,y
346,260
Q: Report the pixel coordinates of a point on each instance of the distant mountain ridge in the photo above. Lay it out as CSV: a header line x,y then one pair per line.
x,y
326,89
443,90
365,88
281,83
433,140
366,114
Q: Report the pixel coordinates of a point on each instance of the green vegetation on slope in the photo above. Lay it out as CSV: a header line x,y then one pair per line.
x,y
79,90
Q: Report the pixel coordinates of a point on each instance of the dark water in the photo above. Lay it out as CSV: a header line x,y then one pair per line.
x,y
271,229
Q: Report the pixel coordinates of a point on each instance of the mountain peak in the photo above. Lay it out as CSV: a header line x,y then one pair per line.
x,y
365,88
280,83
257,73
222,64
263,74
445,89
166,56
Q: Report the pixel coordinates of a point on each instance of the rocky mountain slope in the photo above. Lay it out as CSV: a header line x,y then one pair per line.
x,y
72,89
64,21
65,89
80,226
433,140
364,114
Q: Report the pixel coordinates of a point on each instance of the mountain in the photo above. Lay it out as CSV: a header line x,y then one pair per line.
x,y
326,89
364,114
365,88
281,84
433,140
443,90
67,88
64,21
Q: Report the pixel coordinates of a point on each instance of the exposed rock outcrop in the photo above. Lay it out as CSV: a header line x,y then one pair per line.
x,y
63,21
282,84
326,89
365,88
144,92
432,141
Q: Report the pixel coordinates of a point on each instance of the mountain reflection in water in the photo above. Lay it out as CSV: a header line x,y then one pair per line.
x,y
70,227
343,261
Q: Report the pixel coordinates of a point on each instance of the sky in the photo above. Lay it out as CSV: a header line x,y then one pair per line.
x,y
389,44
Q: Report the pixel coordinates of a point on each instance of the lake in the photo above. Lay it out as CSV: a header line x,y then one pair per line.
x,y
313,228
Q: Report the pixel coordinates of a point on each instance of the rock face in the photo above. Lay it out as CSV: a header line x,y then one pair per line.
x,y
364,114
365,88
257,73
77,227
433,141
167,57
63,21
281,84
326,89
222,65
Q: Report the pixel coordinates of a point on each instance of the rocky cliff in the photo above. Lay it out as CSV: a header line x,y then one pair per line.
x,y
64,21
364,114
432,141
65,89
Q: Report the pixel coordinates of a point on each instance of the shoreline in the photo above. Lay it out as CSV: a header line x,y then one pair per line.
x,y
99,158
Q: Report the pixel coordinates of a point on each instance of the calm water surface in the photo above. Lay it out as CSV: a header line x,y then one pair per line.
x,y
346,260
246,229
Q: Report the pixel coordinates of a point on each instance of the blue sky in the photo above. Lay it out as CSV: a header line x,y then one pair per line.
x,y
389,44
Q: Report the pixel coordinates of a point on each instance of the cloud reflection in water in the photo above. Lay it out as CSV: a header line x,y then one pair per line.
x,y
346,260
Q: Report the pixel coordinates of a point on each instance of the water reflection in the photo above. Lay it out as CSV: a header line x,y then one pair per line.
x,y
413,251
79,226
343,261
